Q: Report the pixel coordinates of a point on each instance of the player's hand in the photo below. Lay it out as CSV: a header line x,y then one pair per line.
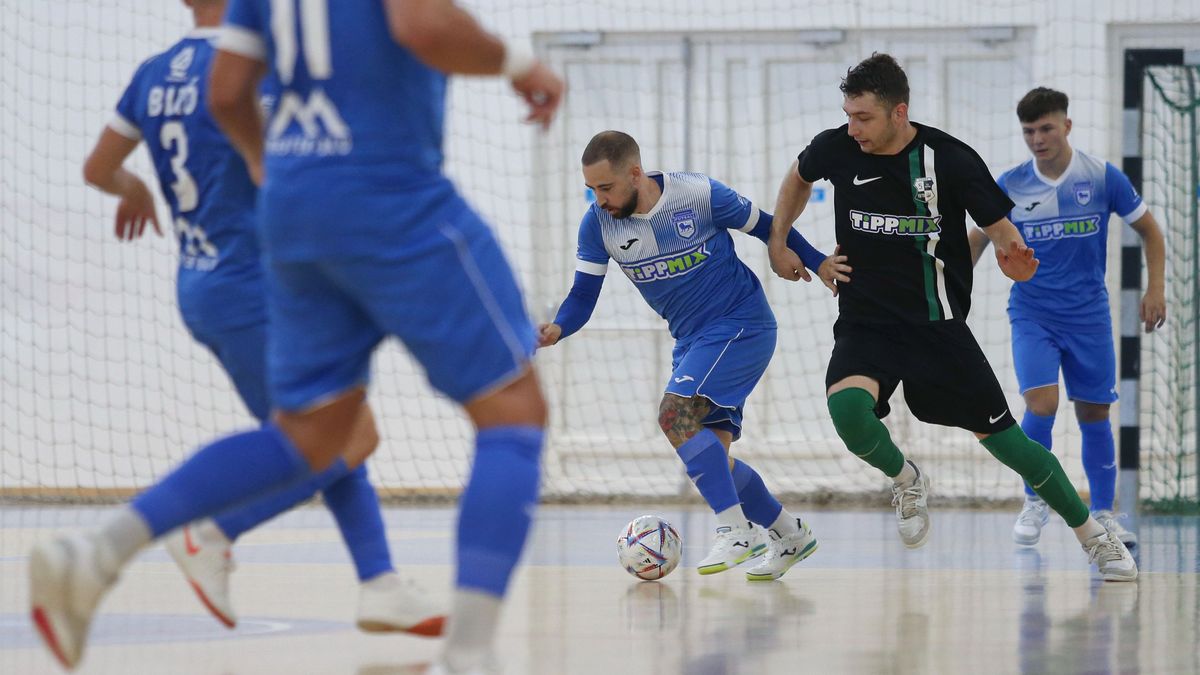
x,y
1154,309
543,91
1017,262
548,334
134,211
834,269
786,264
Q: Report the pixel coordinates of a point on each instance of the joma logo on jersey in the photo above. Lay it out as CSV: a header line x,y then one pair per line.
x,y
323,132
908,226
674,265
1060,229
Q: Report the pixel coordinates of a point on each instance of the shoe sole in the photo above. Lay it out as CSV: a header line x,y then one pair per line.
x,y
43,618
431,627
920,542
1026,542
808,550
1112,576
722,566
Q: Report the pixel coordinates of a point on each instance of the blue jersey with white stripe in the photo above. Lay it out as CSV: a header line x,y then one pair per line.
x,y
204,181
680,255
1065,222
359,121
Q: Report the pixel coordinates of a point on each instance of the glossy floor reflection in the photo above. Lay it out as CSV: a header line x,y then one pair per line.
x,y
969,602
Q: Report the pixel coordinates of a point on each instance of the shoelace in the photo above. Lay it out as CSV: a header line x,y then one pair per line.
x,y
906,500
1105,550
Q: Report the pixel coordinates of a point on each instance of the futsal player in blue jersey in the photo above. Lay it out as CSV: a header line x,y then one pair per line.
x,y
222,301
669,233
1060,318
363,237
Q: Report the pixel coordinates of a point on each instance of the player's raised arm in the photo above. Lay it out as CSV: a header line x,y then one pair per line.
x,y
1014,257
794,193
104,169
444,36
233,100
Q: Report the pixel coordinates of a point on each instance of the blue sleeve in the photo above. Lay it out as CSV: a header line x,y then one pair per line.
x,y
591,242
245,29
1123,199
245,14
128,122
577,308
729,209
809,255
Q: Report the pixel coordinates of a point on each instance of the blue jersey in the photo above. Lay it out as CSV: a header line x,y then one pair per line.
x,y
358,120
680,255
205,182
1065,222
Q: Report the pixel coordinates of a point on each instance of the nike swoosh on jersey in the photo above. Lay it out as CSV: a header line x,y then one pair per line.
x,y
997,418
865,181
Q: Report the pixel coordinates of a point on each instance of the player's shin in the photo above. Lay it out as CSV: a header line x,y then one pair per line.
x,y
707,465
265,458
355,506
495,513
853,413
1040,429
759,505
1041,470
238,521
1099,462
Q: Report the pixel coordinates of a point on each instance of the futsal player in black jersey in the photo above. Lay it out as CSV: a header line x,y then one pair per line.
x,y
902,191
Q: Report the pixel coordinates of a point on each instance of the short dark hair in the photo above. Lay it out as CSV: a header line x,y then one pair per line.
x,y
617,147
1041,101
878,74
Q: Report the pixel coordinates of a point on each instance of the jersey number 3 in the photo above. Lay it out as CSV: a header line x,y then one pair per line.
x,y
174,140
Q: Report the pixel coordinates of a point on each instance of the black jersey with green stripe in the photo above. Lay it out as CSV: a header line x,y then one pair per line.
x,y
901,221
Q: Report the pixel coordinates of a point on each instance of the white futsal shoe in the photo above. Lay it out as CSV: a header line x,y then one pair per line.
x,y
912,511
783,552
66,583
390,603
1114,560
1110,523
1033,517
734,546
205,556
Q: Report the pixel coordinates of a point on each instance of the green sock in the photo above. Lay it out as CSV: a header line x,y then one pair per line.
x,y
853,412
1041,470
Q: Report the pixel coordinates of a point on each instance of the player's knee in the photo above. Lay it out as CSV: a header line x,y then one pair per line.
x,y
853,414
520,403
1042,401
1088,413
343,427
681,418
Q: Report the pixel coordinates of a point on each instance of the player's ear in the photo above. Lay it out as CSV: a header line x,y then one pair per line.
x,y
1066,126
900,112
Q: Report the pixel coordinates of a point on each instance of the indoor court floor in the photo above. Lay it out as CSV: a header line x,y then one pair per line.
x,y
968,602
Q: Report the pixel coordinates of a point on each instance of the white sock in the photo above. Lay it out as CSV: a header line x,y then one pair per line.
x,y
472,629
907,475
732,517
208,530
1090,529
120,537
785,524
383,581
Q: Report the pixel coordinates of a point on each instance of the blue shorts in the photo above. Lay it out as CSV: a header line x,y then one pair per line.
x,y
442,287
1088,362
243,354
722,363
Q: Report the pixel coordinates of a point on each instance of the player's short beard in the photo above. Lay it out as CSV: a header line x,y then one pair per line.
x,y
628,207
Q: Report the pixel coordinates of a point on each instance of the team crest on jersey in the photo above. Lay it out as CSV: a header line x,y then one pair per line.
x,y
925,188
180,64
685,222
1083,193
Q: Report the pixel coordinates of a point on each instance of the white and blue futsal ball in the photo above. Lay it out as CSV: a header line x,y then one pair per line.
x,y
649,548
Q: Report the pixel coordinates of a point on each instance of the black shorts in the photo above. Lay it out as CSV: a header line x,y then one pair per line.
x,y
947,379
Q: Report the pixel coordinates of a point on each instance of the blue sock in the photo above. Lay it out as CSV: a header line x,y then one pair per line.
x,y
1099,462
708,467
238,521
497,506
1040,429
355,506
759,505
222,475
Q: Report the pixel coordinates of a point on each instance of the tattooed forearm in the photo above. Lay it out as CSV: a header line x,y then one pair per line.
x,y
680,417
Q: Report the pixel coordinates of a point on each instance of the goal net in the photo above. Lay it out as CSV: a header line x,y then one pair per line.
x,y
103,390
1171,185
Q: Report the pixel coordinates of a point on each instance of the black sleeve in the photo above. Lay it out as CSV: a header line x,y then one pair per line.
x,y
980,194
814,160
